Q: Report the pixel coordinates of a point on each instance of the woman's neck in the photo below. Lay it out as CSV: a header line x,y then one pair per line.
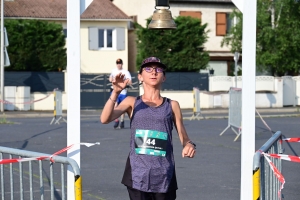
x,y
151,95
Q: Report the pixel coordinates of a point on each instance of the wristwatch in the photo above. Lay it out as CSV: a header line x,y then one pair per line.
x,y
192,143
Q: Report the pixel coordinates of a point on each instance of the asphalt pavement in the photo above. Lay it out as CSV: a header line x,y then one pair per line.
x,y
212,113
214,174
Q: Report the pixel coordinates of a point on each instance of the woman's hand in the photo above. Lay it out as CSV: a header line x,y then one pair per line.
x,y
119,82
189,151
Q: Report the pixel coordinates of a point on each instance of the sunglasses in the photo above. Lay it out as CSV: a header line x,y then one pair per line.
x,y
150,69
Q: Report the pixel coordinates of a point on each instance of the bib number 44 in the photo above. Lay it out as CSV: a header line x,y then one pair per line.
x,y
150,142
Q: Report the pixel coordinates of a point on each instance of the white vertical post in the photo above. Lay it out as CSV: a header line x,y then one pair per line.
x,y
2,56
73,75
248,98
236,59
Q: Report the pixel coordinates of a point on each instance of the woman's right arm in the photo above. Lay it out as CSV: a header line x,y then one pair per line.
x,y
110,112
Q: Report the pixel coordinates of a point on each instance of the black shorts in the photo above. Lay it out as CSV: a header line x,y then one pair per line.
x,y
140,195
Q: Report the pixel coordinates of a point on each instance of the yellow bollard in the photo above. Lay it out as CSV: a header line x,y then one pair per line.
x,y
78,188
194,96
256,184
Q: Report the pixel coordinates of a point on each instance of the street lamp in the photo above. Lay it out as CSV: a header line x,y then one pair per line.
x,y
236,59
162,18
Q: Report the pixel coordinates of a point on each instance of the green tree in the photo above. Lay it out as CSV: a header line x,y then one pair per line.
x,y
35,45
180,49
278,36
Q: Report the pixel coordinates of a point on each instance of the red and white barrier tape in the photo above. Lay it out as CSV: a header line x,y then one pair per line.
x,y
28,102
292,139
240,128
284,157
8,161
277,173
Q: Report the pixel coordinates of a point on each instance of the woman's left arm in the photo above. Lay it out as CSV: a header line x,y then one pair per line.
x,y
189,150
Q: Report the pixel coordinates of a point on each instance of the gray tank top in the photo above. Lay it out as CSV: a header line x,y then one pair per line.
x,y
151,155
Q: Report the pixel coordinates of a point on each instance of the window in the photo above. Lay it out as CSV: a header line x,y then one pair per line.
x,y
65,32
106,38
195,14
223,23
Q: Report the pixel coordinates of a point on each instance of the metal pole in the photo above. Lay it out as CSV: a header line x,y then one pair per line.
x,y
73,88
248,98
236,59
2,56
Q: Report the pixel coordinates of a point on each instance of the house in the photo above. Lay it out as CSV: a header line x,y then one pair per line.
x,y
103,29
213,12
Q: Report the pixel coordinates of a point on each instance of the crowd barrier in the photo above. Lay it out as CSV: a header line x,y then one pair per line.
x,y
41,179
234,112
57,113
265,183
268,180
196,106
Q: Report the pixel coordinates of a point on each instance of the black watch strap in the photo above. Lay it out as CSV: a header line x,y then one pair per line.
x,y
192,143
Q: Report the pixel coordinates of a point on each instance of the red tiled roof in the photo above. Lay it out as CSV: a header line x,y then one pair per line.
x,y
57,9
103,9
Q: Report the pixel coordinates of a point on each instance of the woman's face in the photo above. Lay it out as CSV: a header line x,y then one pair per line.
x,y
152,74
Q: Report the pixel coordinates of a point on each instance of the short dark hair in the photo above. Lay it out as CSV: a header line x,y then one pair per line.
x,y
119,61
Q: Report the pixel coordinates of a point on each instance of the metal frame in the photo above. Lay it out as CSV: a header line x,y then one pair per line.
x,y
234,112
266,185
13,171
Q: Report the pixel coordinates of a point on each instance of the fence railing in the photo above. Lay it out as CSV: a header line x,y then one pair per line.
x,y
265,184
37,179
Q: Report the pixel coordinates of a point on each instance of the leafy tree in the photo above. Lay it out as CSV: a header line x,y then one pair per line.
x,y
278,36
35,45
180,49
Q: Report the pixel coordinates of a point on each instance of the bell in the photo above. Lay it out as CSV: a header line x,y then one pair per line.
x,y
162,20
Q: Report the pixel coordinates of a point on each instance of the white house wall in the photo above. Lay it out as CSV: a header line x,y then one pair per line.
x,y
141,8
101,61
208,16
145,8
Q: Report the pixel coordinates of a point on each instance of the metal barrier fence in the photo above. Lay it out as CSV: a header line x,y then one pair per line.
x,y
265,184
196,108
57,113
39,180
235,111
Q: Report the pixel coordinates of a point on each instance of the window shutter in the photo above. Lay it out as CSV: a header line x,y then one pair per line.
x,y
120,38
93,38
221,24
195,14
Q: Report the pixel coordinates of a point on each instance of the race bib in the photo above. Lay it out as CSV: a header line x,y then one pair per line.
x,y
151,142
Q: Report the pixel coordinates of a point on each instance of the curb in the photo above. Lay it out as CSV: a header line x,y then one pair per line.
x,y
226,117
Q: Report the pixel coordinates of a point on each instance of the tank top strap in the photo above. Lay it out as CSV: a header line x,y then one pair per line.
x,y
138,98
168,100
